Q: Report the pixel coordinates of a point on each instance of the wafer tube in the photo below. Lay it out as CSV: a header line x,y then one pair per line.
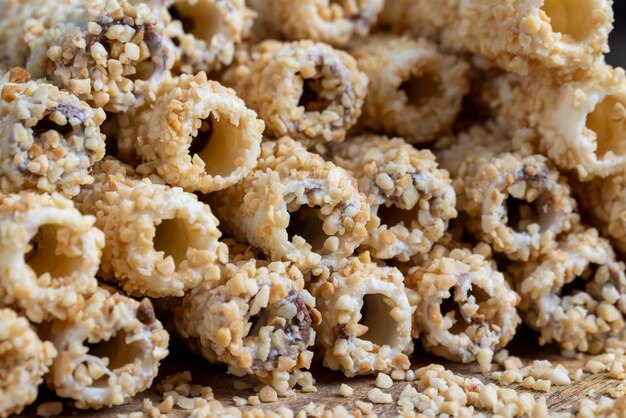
x,y
107,53
466,307
160,241
205,32
49,255
110,352
329,21
582,122
197,135
366,319
296,207
518,204
414,90
605,201
25,360
50,139
519,35
259,321
575,296
411,199
305,90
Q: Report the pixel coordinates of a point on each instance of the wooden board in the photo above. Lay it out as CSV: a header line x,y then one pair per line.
x,y
560,398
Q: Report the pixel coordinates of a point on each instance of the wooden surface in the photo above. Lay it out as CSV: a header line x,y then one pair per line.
x,y
561,398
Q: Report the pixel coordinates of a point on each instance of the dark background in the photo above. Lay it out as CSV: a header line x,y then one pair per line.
x,y
618,37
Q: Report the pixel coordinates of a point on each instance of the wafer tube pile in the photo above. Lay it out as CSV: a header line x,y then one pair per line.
x,y
282,185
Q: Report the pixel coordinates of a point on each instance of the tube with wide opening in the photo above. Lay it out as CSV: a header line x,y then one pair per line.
x,y
411,198
366,319
518,203
414,90
519,35
574,296
297,207
160,241
466,310
108,353
197,135
24,360
109,54
605,200
50,139
334,22
582,122
306,90
49,255
205,33
259,322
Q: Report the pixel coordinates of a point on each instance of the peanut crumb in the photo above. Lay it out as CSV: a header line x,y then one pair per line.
x,y
378,396
383,381
345,390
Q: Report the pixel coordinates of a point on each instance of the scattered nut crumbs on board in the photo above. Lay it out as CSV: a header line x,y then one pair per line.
x,y
269,185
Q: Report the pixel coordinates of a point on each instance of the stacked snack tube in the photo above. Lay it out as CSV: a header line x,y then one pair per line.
x,y
580,122
466,310
259,321
297,207
410,80
160,241
518,35
197,135
108,53
277,183
574,295
411,199
366,319
517,203
306,90
110,352
205,33
52,139
50,255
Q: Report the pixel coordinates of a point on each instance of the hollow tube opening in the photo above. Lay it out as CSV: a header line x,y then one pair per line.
x,y
218,144
118,353
308,223
43,256
173,237
571,18
421,88
46,124
117,350
584,282
312,97
449,307
202,19
346,8
577,285
144,71
257,322
608,122
376,316
393,215
482,298
521,213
